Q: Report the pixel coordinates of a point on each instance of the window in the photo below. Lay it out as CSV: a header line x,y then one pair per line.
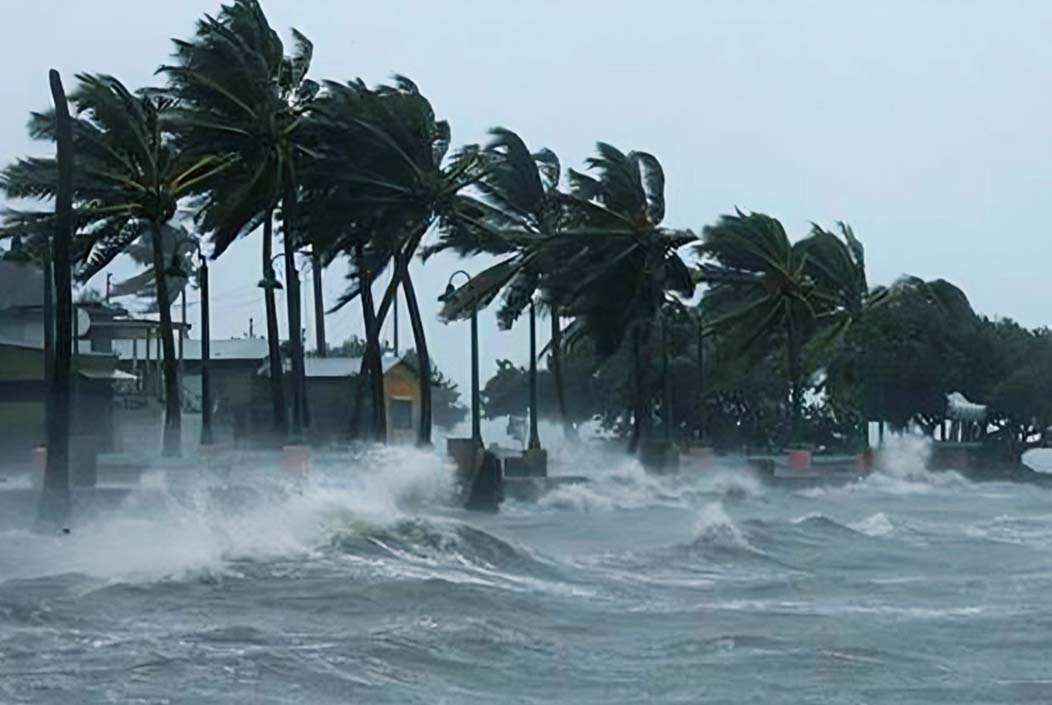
x,y
401,411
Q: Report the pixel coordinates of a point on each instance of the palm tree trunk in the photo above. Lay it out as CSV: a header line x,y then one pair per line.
x,y
277,379
557,372
293,309
423,357
172,443
637,392
319,307
55,501
795,382
389,298
372,360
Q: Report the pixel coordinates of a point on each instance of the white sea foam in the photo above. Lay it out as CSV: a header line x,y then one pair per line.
x,y
876,525
715,527
171,529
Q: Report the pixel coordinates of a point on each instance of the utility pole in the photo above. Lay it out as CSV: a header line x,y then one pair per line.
x,y
109,278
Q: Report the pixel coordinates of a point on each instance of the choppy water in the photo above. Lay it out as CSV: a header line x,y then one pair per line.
x,y
362,586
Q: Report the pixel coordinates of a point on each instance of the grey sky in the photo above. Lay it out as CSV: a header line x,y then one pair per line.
x,y
926,125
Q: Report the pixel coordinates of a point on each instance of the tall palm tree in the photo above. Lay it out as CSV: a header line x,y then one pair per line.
x,y
618,267
241,97
764,292
129,177
519,203
842,297
382,177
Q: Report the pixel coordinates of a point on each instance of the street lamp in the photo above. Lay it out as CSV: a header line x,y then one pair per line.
x,y
292,279
535,439
175,269
270,280
476,416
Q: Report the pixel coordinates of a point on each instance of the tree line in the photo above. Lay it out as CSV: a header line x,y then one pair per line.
x,y
737,335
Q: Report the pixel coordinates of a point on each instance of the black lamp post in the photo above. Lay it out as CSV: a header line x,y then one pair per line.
x,y
176,270
535,439
476,414
270,281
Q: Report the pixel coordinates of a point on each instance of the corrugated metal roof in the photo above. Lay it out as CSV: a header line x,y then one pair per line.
x,y
335,367
232,349
321,367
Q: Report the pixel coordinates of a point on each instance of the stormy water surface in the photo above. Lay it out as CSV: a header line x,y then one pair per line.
x,y
363,585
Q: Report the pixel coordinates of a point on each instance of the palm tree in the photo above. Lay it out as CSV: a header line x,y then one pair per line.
x,y
617,269
129,177
241,97
842,296
55,499
520,203
763,292
381,180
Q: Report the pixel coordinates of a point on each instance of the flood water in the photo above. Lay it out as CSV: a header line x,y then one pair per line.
x,y
363,585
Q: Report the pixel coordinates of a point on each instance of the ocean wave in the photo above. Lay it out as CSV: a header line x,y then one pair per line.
x,y
717,531
175,527
875,525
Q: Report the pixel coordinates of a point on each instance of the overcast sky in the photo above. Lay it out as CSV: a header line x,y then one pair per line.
x,y
926,125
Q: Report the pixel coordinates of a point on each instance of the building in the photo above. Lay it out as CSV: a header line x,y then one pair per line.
x,y
23,382
240,400
331,389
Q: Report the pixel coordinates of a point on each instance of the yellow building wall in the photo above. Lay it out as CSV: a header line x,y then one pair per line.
x,y
401,383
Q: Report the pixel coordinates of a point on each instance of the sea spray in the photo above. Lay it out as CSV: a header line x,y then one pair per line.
x,y
171,526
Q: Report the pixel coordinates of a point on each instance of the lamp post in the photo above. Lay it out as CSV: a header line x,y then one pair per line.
x,y
176,269
476,416
535,439
270,281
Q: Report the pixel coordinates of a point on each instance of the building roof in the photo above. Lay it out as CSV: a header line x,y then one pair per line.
x,y
322,367
336,367
21,343
110,374
254,349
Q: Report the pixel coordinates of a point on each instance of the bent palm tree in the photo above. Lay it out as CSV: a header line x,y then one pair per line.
x,y
240,96
382,179
616,270
763,292
520,204
129,176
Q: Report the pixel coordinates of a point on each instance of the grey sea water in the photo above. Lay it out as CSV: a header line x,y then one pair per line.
x,y
364,586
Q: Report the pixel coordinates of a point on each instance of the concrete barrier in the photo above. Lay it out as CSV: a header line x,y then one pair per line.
x,y
39,466
297,459
800,460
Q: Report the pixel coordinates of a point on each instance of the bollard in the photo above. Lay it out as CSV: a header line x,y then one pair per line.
x,y
800,460
864,462
39,466
297,459
699,457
